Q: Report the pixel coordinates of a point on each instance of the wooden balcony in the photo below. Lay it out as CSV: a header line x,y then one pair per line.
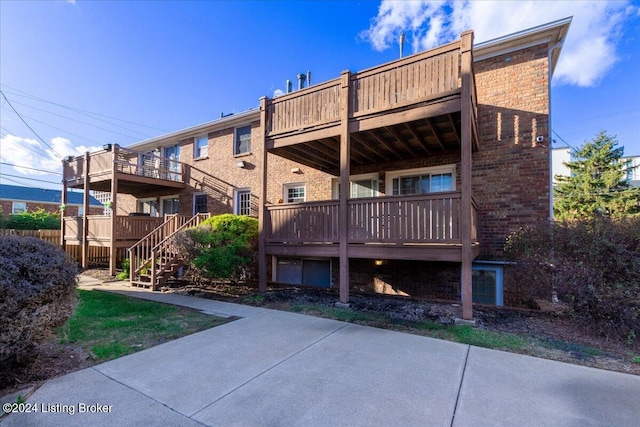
x,y
403,109
425,227
135,171
128,229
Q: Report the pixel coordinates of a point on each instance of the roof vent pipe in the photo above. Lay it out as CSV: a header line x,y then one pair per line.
x,y
308,78
289,86
401,43
301,79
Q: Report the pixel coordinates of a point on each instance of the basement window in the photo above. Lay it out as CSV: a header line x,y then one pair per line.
x,y
487,284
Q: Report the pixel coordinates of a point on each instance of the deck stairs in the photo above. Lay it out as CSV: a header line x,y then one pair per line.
x,y
156,258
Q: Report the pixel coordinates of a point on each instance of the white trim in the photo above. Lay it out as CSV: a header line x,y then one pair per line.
x,y
13,207
499,301
287,185
235,139
193,201
161,203
197,152
236,199
335,183
390,176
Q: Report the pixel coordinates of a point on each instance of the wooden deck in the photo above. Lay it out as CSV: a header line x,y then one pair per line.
x,y
395,227
407,108
135,171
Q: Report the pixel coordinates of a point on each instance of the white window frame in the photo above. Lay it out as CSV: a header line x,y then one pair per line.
x,y
289,185
335,185
200,152
236,200
81,210
235,140
161,203
499,301
194,201
15,209
139,202
434,170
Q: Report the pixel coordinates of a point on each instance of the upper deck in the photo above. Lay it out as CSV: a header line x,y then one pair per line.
x,y
405,108
135,171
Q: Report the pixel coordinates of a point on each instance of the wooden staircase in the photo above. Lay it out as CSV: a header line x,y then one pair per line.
x,y
155,258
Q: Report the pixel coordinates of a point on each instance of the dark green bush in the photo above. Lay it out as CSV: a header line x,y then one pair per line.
x,y
223,247
37,294
33,220
593,265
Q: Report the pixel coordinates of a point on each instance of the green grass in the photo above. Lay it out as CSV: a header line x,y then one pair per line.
x,y
110,325
460,333
578,350
636,359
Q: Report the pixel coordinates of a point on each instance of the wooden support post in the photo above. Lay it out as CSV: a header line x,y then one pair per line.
x,y
262,252
114,211
345,155
63,205
85,217
466,136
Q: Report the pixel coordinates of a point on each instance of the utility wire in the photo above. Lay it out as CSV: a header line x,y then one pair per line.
x,y
27,125
30,179
86,123
562,139
40,151
79,110
33,169
60,129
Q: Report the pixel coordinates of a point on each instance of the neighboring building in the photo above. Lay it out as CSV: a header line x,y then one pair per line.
x,y
16,199
442,154
561,156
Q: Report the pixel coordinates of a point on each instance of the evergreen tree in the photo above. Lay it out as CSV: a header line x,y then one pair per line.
x,y
597,185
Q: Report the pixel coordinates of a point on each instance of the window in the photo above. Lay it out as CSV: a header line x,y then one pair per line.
x,y
242,141
487,284
242,202
295,192
170,205
421,181
171,162
310,272
80,210
360,186
18,207
148,206
200,203
201,147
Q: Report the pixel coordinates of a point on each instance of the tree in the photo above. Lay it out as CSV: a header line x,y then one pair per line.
x,y
33,220
597,185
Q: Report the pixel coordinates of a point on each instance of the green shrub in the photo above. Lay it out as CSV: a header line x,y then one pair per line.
x,y
593,265
33,220
126,268
37,294
223,247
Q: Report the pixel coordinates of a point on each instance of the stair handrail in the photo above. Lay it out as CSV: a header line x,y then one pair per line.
x,y
158,233
183,226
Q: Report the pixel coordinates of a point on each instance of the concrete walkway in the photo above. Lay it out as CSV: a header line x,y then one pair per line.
x,y
274,368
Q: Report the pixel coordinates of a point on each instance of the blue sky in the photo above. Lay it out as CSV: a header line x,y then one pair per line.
x,y
134,70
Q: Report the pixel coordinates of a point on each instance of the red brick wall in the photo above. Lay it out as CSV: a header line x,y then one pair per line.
x,y
511,170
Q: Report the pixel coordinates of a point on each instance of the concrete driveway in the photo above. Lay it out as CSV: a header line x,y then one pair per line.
x,y
274,368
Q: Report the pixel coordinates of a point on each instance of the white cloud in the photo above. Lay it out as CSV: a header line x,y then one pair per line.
x,y
588,53
30,153
278,92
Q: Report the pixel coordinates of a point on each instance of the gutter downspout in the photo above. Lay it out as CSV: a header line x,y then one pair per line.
x,y
558,45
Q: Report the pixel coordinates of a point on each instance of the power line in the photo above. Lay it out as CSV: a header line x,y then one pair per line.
x,y
60,129
86,123
79,110
27,125
562,139
30,179
33,169
41,152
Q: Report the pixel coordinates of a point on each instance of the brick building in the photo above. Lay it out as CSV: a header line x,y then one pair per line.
x,y
16,199
444,154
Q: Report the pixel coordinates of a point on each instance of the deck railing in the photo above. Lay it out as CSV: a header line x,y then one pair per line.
x,y
99,227
417,78
407,81
128,162
316,106
426,218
